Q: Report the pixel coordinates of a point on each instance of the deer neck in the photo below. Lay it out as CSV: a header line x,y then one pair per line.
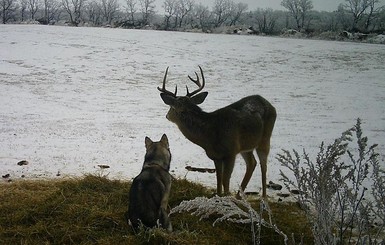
x,y
195,127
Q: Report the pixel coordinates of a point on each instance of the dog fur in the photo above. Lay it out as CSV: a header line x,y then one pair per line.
x,y
150,190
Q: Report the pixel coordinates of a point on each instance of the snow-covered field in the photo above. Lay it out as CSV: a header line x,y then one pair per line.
x,y
74,98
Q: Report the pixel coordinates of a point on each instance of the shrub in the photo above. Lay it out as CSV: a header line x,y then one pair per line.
x,y
230,209
332,189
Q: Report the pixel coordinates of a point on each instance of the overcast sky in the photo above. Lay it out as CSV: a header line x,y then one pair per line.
x,y
320,5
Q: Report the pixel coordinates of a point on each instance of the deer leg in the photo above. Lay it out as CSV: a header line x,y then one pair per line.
x,y
228,166
250,166
219,173
262,155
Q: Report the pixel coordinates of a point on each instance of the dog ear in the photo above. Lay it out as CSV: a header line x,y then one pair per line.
x,y
148,142
164,140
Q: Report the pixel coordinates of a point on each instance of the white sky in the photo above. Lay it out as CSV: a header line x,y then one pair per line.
x,y
320,5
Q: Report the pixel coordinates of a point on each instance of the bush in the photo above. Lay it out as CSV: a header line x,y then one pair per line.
x,y
332,189
231,209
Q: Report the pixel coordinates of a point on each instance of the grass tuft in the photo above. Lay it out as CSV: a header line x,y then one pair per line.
x,y
91,210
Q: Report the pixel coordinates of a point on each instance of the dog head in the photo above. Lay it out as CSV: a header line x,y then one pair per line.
x,y
158,152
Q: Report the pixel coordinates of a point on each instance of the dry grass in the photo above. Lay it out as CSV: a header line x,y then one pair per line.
x,y
90,210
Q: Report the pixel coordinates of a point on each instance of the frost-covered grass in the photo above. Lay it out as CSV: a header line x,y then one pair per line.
x,y
342,190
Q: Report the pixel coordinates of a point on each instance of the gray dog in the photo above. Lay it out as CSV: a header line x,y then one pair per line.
x,y
150,190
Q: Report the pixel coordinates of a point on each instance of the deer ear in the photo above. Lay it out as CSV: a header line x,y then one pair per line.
x,y
199,98
168,99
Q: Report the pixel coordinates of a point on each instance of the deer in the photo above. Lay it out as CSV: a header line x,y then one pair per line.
x,y
241,127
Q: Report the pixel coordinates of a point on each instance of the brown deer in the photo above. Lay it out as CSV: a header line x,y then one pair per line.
x,y
237,128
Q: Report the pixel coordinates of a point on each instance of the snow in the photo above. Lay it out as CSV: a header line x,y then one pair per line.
x,y
74,98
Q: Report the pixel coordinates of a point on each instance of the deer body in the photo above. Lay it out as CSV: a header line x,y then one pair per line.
x,y
237,128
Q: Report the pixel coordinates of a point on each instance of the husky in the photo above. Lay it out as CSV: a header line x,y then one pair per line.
x,y
150,190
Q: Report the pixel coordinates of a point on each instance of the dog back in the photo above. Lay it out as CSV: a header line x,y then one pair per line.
x,y
146,195
149,193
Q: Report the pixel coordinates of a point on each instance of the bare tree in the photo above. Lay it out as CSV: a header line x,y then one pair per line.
x,y
381,18
33,7
306,6
266,20
372,13
74,9
236,11
131,9
94,13
147,9
357,9
109,9
343,17
360,14
221,11
8,8
23,9
51,9
293,7
299,10
202,15
170,7
184,7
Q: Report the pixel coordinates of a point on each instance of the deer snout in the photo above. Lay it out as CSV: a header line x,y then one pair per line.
x,y
171,116
168,115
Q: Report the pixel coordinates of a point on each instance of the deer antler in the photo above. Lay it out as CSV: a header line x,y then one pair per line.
x,y
197,82
164,90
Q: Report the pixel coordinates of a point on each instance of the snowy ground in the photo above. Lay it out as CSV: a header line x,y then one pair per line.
x,y
74,98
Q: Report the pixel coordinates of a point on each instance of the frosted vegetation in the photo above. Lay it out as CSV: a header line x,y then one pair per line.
x,y
333,191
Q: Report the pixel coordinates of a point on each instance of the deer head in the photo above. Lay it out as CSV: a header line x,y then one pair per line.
x,y
183,104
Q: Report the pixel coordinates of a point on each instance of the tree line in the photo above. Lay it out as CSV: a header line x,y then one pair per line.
x,y
352,15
